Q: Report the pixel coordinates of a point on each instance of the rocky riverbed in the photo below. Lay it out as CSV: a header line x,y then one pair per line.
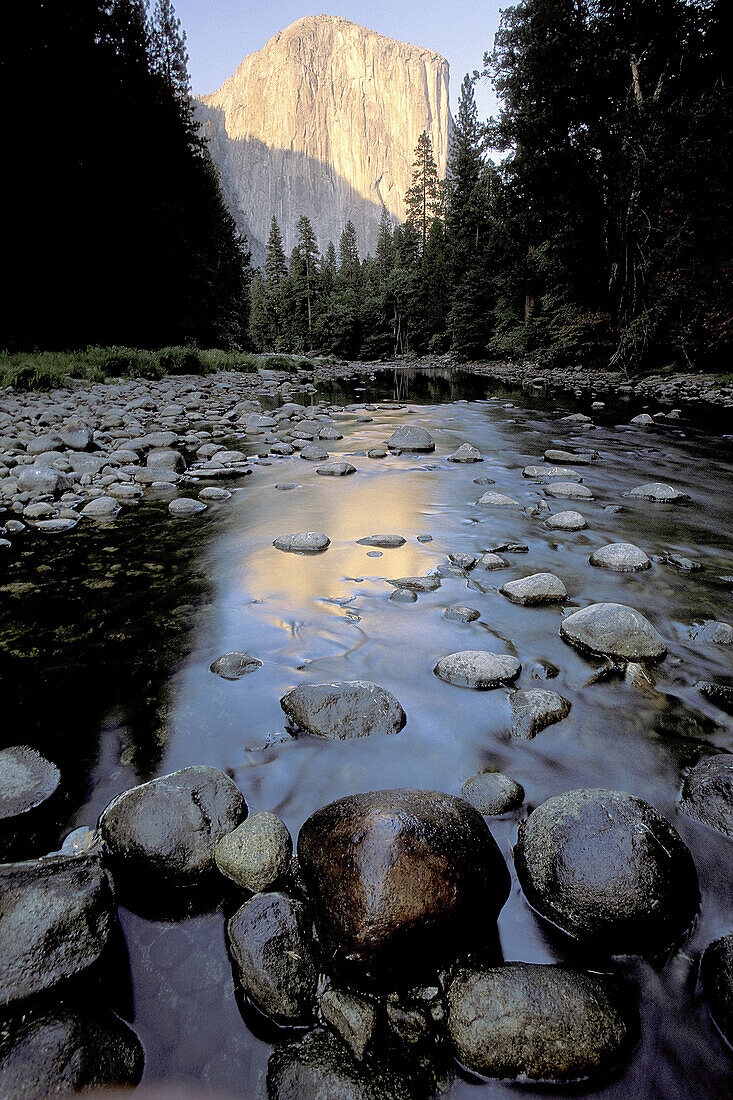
x,y
364,741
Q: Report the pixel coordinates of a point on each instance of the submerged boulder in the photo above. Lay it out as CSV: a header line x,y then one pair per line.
x,y
56,916
62,1050
478,669
168,828
533,711
411,438
716,975
344,709
608,870
536,589
232,666
401,881
613,630
657,491
620,557
273,950
26,780
707,793
528,1022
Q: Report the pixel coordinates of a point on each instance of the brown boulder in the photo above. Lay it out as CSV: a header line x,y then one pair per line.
x,y
400,881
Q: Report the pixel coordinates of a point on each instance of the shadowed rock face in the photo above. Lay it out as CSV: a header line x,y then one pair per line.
x,y
56,916
60,1050
323,121
400,882
608,870
539,1023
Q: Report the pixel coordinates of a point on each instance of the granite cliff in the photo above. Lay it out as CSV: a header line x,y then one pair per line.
x,y
323,121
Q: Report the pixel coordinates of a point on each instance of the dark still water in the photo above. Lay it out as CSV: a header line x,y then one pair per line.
x,y
108,634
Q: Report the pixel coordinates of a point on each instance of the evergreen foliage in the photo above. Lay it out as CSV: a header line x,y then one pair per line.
x,y
118,232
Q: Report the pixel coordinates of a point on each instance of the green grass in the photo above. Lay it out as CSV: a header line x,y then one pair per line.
x,y
49,369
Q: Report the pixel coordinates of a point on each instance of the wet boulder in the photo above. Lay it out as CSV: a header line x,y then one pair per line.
x,y
707,793
657,491
26,780
535,710
536,589
608,870
417,584
550,472
271,942
303,542
492,793
56,916
257,853
620,557
336,469
719,692
232,666
716,975
566,521
344,709
488,562
319,1067
613,630
401,881
62,1050
498,500
466,453
549,1024
385,542
568,490
351,1016
168,828
411,438
712,631
43,480
460,614
478,669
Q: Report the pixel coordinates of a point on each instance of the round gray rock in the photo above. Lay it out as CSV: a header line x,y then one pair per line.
x,y
411,438
613,630
608,870
460,614
551,1024
168,829
657,491
498,500
271,942
533,711
344,710
385,542
232,666
493,793
707,793
566,521
620,557
336,469
716,974
26,780
101,508
535,589
257,853
478,669
186,506
466,453
303,542
569,490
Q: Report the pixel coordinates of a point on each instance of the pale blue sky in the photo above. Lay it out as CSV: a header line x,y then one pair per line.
x,y
221,32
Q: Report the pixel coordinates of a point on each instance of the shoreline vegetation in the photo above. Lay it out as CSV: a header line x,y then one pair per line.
x,y
44,371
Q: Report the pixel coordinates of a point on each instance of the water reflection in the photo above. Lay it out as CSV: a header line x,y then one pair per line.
x,y
118,630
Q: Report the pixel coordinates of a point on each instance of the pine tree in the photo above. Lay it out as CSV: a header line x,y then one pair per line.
x,y
384,257
276,267
422,200
348,256
307,251
168,50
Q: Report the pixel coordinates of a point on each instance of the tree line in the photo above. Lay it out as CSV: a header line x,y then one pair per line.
x,y
115,230
603,234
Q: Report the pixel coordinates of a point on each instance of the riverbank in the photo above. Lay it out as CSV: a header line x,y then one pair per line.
x,y
690,393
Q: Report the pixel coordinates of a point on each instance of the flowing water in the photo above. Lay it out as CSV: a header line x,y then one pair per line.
x,y
108,634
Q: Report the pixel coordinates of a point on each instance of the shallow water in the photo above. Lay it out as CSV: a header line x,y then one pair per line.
x,y
107,637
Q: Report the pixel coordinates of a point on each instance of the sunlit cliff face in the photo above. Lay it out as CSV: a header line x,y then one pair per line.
x,y
324,121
